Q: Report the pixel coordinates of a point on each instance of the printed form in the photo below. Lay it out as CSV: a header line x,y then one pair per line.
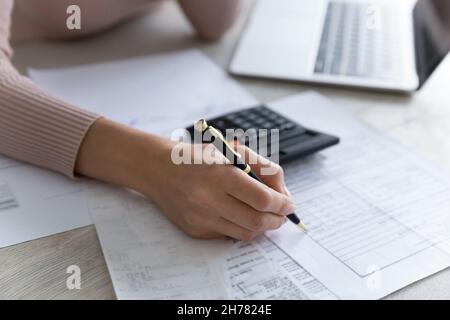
x,y
378,216
35,203
149,258
260,270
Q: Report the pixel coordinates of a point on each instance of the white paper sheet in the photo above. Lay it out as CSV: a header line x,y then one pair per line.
x,y
149,258
157,94
146,255
260,270
378,216
365,195
35,203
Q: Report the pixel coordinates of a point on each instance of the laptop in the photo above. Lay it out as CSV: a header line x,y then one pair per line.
x,y
383,44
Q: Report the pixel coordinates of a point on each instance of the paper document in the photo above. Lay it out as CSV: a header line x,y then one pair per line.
x,y
36,203
146,255
378,216
149,258
260,270
7,198
157,94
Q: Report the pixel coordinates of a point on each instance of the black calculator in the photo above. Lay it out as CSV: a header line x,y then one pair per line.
x,y
295,141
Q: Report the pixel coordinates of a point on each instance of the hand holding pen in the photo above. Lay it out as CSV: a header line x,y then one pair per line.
x,y
211,199
236,160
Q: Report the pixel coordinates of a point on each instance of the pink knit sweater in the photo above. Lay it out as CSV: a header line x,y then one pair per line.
x,y
38,128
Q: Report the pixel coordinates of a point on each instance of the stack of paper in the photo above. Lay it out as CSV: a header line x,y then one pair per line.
x,y
146,255
378,216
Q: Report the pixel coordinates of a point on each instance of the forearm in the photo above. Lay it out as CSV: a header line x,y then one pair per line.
x,y
211,18
43,130
124,156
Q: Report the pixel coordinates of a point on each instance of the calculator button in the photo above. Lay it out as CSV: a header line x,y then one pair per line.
x,y
238,122
267,125
265,111
252,116
231,117
280,121
221,124
259,121
287,126
246,125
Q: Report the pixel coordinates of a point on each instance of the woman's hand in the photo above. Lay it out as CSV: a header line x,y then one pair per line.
x,y
204,200
212,200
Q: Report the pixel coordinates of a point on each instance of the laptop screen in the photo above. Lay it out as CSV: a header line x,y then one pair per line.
x,y
432,35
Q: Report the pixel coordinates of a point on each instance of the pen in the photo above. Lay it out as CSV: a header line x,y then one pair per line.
x,y
202,126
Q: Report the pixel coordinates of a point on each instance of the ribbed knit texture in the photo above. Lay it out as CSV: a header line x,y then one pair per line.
x,y
36,127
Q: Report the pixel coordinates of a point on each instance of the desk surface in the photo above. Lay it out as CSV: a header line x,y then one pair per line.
x,y
37,269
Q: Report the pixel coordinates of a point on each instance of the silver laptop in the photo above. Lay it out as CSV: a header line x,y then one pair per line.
x,y
381,44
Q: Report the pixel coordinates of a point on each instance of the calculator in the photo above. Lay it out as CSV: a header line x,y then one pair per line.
x,y
295,141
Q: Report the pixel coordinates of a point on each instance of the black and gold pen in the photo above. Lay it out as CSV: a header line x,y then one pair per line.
x,y
236,159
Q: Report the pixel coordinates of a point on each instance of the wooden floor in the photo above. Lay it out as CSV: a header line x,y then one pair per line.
x,y
37,269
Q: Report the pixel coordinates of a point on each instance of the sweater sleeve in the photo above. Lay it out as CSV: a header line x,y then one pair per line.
x,y
36,127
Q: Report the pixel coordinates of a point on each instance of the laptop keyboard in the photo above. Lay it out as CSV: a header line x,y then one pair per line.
x,y
355,42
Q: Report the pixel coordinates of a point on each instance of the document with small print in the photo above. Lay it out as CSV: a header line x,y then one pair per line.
x,y
378,216
260,270
149,258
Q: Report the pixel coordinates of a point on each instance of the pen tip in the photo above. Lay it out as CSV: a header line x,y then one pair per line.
x,y
302,226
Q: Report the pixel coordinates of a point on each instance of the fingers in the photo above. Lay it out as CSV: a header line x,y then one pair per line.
x,y
221,226
257,195
234,231
247,217
227,201
269,172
